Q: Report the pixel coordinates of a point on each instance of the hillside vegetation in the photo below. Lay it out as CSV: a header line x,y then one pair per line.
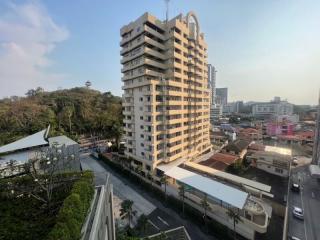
x,y
71,112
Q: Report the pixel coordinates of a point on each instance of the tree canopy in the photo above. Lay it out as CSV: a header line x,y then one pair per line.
x,y
71,111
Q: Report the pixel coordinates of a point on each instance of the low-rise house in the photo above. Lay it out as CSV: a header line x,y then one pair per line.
x,y
218,138
237,147
274,160
300,137
249,134
277,128
220,161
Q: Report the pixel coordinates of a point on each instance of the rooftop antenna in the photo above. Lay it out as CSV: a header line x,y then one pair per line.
x,y
167,10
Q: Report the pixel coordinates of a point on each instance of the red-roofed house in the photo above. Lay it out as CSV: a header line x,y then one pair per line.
x,y
220,161
249,134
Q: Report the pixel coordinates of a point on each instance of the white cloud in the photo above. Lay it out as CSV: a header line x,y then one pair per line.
x,y
27,36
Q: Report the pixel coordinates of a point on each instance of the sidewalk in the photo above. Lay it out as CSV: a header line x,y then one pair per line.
x,y
121,190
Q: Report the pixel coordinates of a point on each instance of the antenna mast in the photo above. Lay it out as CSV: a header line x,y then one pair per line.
x,y
167,10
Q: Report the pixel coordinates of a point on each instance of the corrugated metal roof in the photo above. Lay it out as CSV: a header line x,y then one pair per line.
x,y
280,150
167,166
213,188
36,139
61,140
230,177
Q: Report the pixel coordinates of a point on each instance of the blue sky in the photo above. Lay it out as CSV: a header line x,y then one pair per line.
x,y
260,48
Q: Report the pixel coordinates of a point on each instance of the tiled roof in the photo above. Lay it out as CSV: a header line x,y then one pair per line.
x,y
220,161
257,147
237,145
248,130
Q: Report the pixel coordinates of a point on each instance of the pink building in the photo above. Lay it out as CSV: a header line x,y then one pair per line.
x,y
275,128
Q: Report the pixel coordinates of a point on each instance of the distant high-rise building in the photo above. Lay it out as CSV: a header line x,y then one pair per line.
x,y
222,96
212,83
214,108
316,146
166,97
275,107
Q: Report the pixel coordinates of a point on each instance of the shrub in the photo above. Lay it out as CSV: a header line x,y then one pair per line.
x,y
74,210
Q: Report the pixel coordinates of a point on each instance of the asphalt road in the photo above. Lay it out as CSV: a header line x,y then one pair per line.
x,y
309,200
160,216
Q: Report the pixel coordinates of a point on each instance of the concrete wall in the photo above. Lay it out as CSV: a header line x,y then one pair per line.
x,y
271,169
99,224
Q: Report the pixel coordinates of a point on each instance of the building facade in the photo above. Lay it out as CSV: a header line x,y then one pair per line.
x,y
273,160
316,142
166,100
222,96
212,83
215,112
273,108
100,222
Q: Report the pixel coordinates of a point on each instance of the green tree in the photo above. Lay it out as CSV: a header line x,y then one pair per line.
x,y
234,215
143,222
164,181
126,211
149,176
205,205
72,112
182,191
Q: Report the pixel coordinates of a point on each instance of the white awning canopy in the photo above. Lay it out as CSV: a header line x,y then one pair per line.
x,y
36,139
167,166
225,193
230,177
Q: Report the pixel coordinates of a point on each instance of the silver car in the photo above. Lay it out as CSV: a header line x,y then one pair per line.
x,y
298,212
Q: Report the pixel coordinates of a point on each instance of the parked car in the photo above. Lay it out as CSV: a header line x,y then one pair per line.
x,y
295,187
293,238
298,213
295,161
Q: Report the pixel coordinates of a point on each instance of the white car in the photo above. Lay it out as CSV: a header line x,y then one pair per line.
x,y
298,212
294,238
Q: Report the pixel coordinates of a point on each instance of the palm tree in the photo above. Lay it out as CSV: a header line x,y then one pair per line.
x,y
235,216
182,191
149,176
138,170
126,210
163,180
205,206
143,222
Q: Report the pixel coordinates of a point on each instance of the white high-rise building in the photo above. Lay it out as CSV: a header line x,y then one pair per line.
x,y
212,83
166,99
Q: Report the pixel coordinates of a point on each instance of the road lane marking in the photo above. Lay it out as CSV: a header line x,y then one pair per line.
x,y
304,222
153,224
163,221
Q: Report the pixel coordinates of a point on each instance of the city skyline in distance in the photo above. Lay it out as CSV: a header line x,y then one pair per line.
x,y
260,50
